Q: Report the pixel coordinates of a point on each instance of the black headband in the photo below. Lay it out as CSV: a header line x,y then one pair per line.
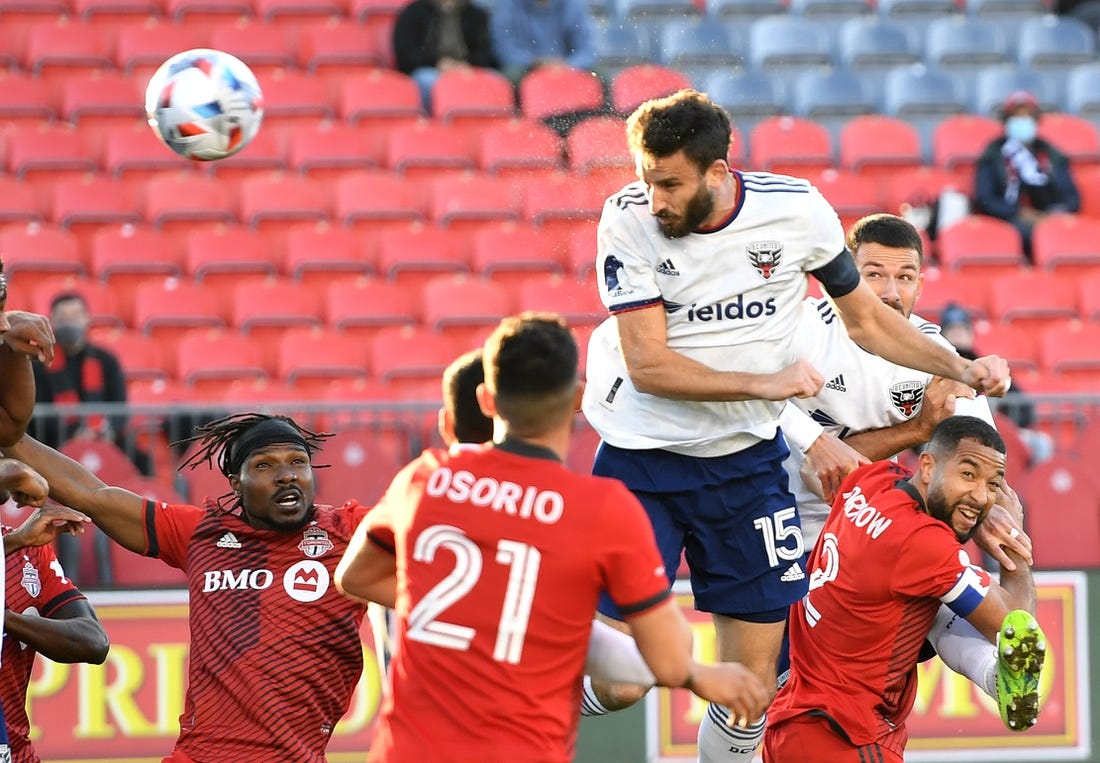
x,y
269,432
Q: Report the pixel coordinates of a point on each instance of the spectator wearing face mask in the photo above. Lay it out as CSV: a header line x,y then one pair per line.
x,y
1021,177
81,372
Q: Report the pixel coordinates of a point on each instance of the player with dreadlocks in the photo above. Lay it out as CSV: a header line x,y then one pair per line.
x,y
275,649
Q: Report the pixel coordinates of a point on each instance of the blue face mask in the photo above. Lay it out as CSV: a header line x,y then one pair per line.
x,y
1021,128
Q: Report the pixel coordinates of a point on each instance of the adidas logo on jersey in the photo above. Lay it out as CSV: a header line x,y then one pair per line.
x,y
837,384
793,574
229,540
667,268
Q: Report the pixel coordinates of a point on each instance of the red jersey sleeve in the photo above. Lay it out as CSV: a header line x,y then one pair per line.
x,y
633,573
168,531
57,589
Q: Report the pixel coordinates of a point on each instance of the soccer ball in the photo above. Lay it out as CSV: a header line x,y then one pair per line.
x,y
204,104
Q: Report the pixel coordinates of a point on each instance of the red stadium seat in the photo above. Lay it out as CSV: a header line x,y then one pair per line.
x,y
298,12
852,195
471,201
519,145
57,49
295,97
1071,349
127,254
110,14
959,140
102,304
184,201
405,352
376,199
102,458
142,358
509,254
598,142
580,253
18,201
338,47
429,149
1019,345
367,11
361,465
366,305
213,255
1037,298
917,187
23,100
418,253
212,357
19,14
473,96
549,91
263,47
631,86
461,308
319,252
876,144
979,242
40,249
51,149
968,290
1088,302
141,48
582,447
576,300
273,303
130,570
172,307
790,145
1062,514
1068,244
203,482
562,197
1075,136
332,148
280,199
267,151
381,96
103,99
314,354
135,152
95,200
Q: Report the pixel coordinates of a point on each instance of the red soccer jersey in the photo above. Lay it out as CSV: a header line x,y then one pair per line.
x,y
880,571
35,584
500,560
275,648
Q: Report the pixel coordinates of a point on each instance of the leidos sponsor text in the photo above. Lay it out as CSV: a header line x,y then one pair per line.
x,y
733,310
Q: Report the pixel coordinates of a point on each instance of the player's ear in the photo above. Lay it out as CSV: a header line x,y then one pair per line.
x,y
926,466
578,396
486,401
717,172
235,483
446,426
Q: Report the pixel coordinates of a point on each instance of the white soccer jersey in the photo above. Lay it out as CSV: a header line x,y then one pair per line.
x,y
732,298
862,391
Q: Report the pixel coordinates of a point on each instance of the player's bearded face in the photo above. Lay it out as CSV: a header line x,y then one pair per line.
x,y
961,495
277,488
696,210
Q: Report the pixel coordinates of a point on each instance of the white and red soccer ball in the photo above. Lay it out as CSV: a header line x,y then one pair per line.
x,y
204,104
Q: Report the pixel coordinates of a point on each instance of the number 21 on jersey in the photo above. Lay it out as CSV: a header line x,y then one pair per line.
x,y
830,566
523,563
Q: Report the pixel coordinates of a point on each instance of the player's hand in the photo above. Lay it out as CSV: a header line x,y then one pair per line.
x,y
732,684
800,379
30,334
46,524
26,486
989,375
939,402
832,459
997,533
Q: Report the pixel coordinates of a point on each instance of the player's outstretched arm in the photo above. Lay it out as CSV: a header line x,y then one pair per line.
x,y
367,572
116,511
44,526
664,639
885,332
658,370
71,634
28,335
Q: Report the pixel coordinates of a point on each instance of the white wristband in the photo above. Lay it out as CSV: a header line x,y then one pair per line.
x,y
800,430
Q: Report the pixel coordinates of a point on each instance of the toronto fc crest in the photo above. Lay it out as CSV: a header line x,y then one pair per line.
x,y
30,580
907,397
765,256
315,542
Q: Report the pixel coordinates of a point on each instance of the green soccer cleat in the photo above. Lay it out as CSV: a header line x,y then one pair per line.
x,y
1021,649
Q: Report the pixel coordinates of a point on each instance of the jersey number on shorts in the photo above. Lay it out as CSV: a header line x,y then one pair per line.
x,y
830,567
776,531
523,561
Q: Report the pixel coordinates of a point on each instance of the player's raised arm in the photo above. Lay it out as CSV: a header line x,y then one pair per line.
x,y
367,571
116,511
25,335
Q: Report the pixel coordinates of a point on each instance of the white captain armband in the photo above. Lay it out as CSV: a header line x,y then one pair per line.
x,y
800,430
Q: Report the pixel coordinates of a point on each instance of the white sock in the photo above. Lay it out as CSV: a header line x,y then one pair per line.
x,y
966,651
589,704
718,743
613,656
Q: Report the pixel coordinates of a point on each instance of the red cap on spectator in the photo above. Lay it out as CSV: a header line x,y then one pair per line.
x,y
1018,99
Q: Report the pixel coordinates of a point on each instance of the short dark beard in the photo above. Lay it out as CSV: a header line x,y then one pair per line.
x,y
938,509
698,209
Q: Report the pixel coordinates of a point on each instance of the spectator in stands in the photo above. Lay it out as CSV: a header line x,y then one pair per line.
x,y
81,372
1021,177
528,34
957,328
434,36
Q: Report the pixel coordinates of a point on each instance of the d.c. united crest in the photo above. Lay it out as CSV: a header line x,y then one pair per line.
x,y
315,542
765,256
907,397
